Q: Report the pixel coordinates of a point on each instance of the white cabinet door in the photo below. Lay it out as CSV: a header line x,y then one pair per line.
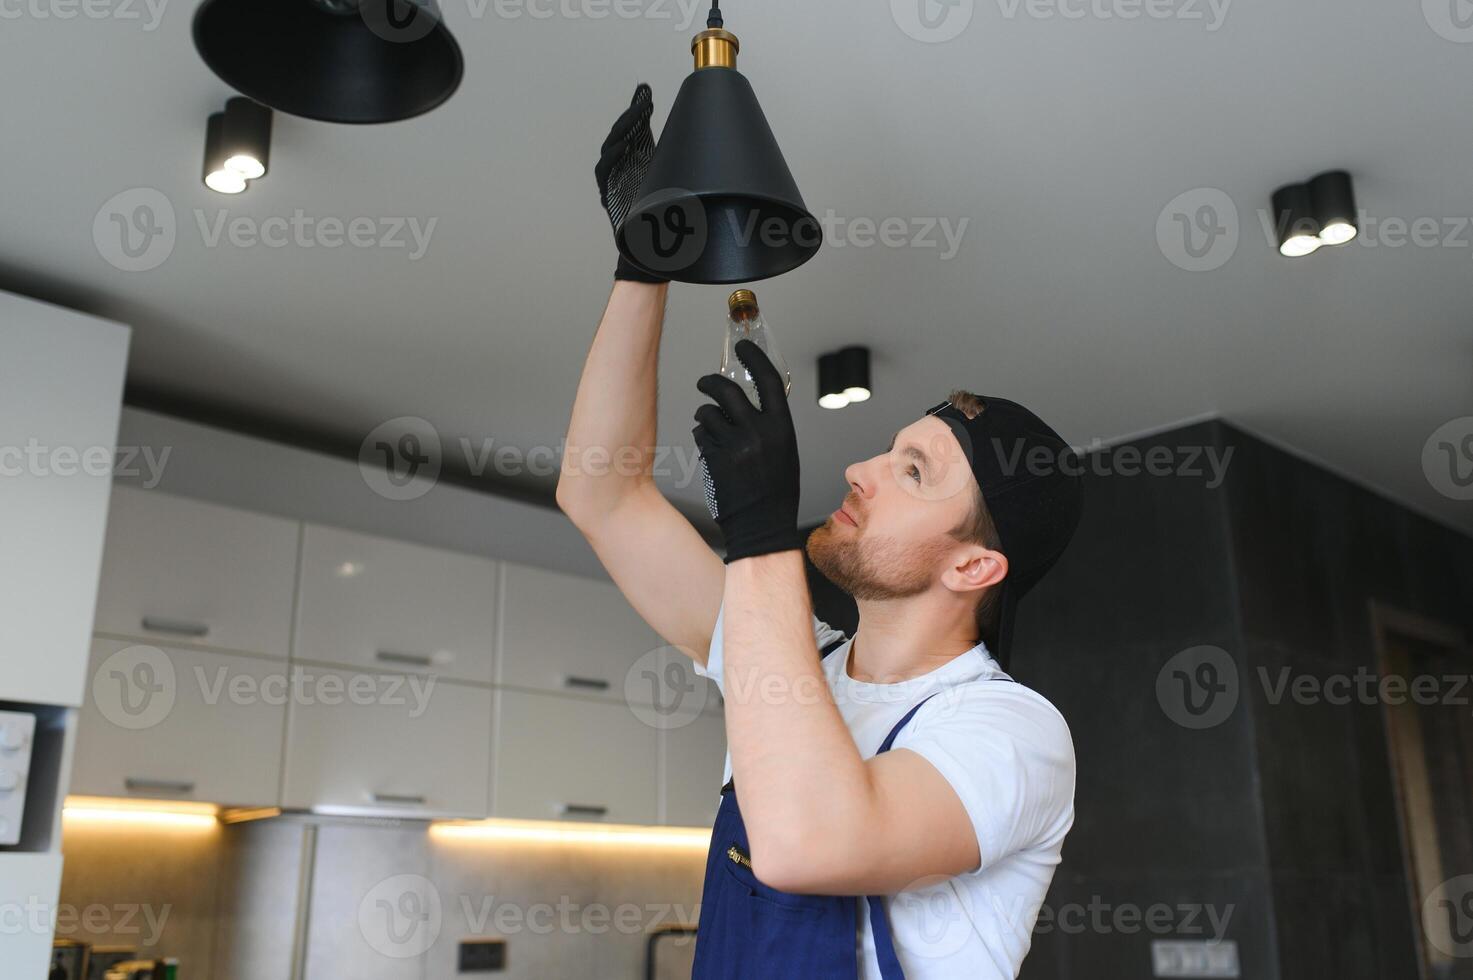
x,y
61,388
177,570
566,633
575,759
174,723
694,761
387,742
374,603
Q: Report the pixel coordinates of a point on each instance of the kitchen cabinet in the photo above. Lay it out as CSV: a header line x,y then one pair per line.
x,y
565,633
176,723
387,742
573,758
374,603
61,388
183,571
693,760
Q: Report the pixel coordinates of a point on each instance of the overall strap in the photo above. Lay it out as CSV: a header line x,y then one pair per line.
x,y
879,923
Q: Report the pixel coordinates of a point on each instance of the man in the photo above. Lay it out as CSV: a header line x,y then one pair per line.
x,y
903,802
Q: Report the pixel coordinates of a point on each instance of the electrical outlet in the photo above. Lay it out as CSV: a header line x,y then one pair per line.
x,y
482,956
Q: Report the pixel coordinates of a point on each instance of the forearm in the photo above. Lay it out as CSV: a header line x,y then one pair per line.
x,y
798,773
610,442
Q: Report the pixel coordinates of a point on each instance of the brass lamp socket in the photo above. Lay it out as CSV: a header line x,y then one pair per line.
x,y
715,47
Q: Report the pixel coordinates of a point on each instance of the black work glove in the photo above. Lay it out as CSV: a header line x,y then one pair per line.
x,y
751,456
622,163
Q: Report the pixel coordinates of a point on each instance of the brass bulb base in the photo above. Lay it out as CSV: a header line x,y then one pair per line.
x,y
742,304
715,47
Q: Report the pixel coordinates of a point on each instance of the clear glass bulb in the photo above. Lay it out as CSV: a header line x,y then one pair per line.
x,y
744,321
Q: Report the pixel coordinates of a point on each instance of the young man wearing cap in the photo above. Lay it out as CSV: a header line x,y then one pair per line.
x,y
903,801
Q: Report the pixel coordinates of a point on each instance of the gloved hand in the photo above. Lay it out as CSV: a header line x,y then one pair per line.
x,y
622,164
752,458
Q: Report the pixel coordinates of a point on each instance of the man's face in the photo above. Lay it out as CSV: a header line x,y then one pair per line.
x,y
891,537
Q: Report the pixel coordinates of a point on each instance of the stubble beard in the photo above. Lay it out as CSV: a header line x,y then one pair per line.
x,y
872,568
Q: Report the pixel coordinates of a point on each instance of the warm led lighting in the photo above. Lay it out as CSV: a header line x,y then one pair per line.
x,y
1337,233
856,394
246,165
225,181
833,400
1298,245
557,832
159,813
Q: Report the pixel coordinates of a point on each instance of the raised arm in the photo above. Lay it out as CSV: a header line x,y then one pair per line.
x,y
665,569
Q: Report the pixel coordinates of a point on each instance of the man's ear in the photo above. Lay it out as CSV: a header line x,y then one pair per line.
x,y
976,568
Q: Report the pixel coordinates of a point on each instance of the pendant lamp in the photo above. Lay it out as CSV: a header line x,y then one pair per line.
x,y
343,61
718,204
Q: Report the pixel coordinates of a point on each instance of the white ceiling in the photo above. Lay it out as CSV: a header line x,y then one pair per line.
x,y
1061,140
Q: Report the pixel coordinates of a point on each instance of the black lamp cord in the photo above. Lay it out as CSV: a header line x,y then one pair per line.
x,y
713,20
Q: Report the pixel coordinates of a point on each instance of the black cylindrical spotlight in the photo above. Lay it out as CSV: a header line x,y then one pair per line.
x,y
219,177
830,382
247,137
854,373
1333,199
1294,218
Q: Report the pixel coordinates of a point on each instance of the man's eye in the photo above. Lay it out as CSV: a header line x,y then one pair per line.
x,y
914,472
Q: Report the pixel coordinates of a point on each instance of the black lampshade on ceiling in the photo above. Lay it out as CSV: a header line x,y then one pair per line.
x,y
333,60
718,204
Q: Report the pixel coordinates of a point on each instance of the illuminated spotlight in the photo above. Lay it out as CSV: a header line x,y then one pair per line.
x,y
854,373
830,387
1293,215
1333,198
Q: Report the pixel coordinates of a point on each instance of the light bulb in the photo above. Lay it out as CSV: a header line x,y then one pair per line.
x,y
744,321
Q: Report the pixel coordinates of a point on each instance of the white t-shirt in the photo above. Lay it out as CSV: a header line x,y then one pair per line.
x,y
1007,753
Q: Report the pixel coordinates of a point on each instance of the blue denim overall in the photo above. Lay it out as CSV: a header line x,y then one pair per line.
x,y
748,931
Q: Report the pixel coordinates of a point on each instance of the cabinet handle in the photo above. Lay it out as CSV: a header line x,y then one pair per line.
x,y
399,799
179,627
588,683
582,810
395,657
135,785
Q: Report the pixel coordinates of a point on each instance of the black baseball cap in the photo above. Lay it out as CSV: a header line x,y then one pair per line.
x,y
1032,483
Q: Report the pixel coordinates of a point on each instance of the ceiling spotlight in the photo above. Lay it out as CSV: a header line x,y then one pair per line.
x,y
1294,217
1333,199
843,377
246,137
854,373
830,388
218,176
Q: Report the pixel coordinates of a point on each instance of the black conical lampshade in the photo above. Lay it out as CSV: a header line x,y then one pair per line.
x,y
718,204
341,61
